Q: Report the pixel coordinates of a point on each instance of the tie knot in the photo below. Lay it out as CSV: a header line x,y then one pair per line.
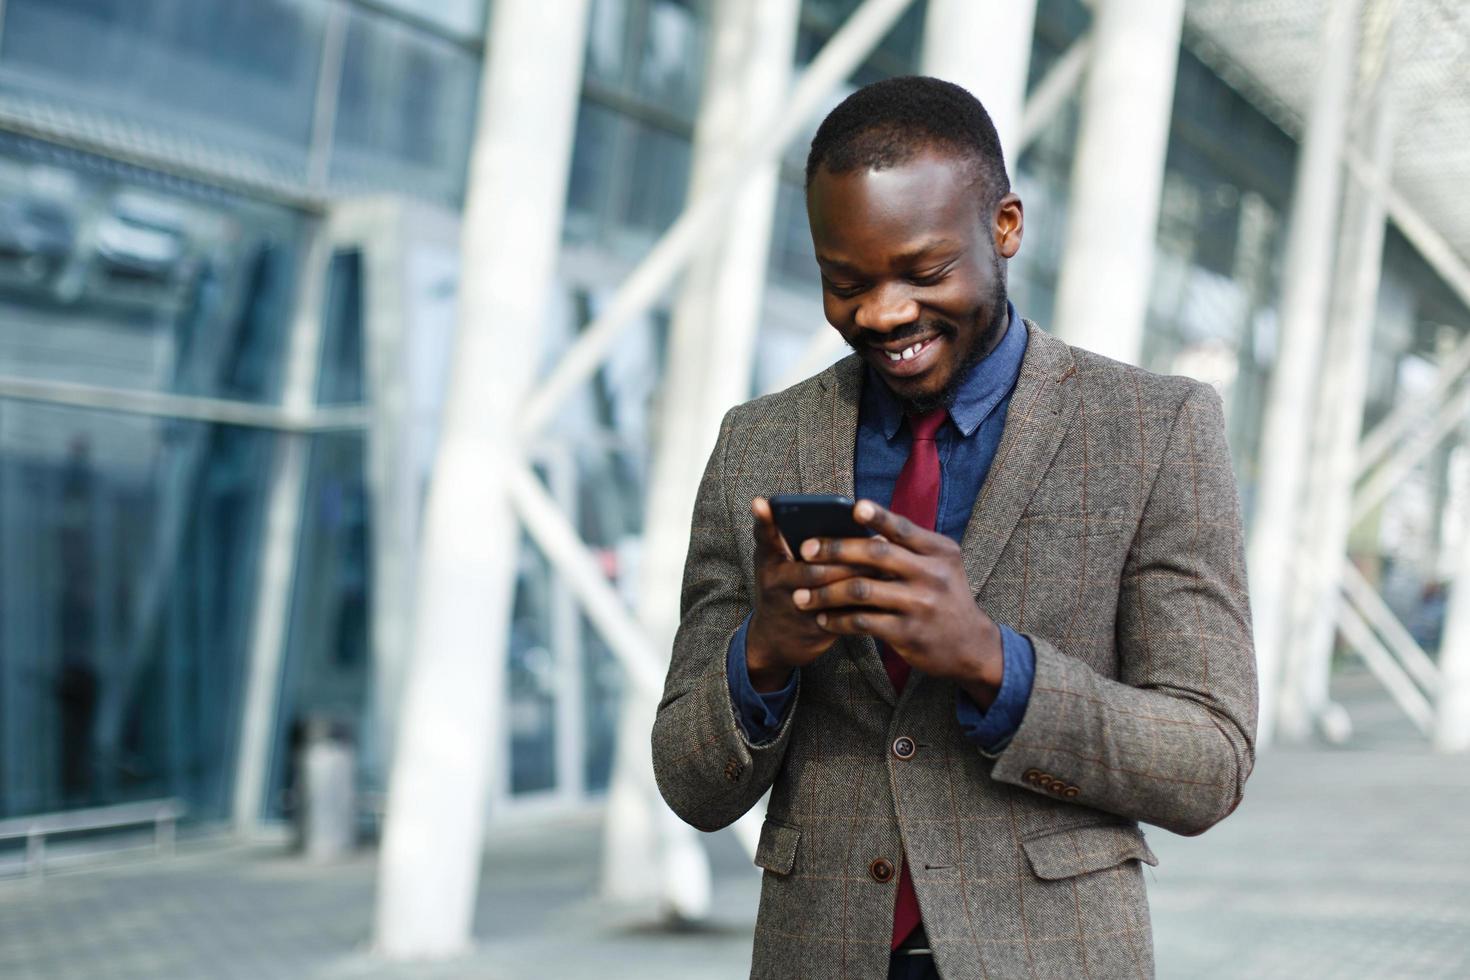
x,y
925,426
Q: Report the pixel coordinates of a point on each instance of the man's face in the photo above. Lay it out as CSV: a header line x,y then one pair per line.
x,y
912,273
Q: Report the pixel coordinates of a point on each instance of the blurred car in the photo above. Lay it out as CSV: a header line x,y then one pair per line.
x,y
36,240
140,240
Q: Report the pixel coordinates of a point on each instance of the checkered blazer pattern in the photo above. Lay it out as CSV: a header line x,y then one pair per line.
x,y
1109,533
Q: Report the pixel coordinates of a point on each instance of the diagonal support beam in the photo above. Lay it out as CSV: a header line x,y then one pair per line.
x,y
837,60
1391,473
1454,270
1370,605
1408,697
554,535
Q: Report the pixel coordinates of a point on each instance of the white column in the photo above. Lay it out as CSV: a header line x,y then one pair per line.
x,y
1117,176
1306,277
648,852
452,711
1452,704
1304,703
984,46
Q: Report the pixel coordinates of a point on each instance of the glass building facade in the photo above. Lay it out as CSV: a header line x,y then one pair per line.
x,y
166,167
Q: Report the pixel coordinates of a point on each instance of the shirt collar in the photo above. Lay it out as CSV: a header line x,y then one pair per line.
x,y
985,387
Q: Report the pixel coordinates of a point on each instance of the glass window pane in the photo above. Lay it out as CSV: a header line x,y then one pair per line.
x,y
671,64
607,42
110,276
341,378
241,75
532,685
405,110
328,658
128,555
659,179
465,18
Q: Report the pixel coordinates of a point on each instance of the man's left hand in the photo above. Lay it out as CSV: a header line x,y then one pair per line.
x,y
918,602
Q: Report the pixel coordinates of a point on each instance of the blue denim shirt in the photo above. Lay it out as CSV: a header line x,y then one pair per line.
x,y
967,444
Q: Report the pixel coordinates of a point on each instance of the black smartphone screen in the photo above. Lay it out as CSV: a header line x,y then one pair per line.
x,y
810,515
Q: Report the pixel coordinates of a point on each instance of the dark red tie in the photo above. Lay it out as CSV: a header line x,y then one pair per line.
x,y
915,496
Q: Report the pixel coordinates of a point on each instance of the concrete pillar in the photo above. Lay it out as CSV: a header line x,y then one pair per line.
x,y
1304,703
648,852
1452,703
1117,176
1276,528
453,707
984,47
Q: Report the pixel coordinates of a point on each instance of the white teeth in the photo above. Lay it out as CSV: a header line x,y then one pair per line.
x,y
907,354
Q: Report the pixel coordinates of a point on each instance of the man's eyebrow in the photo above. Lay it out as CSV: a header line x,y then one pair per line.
x,y
906,257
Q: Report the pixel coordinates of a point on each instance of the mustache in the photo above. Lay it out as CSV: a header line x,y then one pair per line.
x,y
919,328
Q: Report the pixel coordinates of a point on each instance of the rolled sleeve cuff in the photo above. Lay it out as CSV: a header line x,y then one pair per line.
x,y
993,729
759,714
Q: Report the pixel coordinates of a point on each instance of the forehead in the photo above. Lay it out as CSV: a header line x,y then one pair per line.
x,y
929,196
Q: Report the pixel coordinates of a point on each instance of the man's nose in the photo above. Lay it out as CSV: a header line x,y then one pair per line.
x,y
886,308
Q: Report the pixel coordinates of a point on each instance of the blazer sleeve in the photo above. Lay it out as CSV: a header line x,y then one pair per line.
x,y
708,771
1172,740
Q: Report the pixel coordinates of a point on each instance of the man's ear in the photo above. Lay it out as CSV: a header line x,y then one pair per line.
x,y
1010,222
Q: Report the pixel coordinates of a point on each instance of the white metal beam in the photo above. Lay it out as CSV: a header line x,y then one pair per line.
x,y
1338,413
711,348
986,49
286,418
1397,640
1276,527
1391,472
452,712
1398,684
853,42
1118,176
1452,703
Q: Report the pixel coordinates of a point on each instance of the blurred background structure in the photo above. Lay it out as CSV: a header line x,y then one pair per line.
x,y
359,359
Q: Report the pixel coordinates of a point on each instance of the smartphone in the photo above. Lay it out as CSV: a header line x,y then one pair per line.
x,y
813,515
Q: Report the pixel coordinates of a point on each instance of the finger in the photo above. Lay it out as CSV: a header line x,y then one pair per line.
x,y
899,529
767,535
862,622
867,593
880,554
803,574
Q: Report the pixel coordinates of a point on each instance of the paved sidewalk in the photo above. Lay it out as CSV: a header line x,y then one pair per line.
x,y
1340,863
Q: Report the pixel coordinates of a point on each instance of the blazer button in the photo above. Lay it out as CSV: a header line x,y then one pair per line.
x,y
904,748
881,870
733,770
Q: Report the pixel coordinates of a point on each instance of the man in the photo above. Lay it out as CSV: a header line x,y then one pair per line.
x,y
963,719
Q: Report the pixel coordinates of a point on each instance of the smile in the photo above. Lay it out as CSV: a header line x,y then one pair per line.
x,y
908,353
909,361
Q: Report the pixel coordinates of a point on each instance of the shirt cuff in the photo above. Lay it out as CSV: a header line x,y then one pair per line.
x,y
759,714
992,729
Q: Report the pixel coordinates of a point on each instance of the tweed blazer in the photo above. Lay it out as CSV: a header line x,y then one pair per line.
x,y
1108,532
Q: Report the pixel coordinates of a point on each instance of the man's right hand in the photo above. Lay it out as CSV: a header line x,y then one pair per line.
x,y
782,637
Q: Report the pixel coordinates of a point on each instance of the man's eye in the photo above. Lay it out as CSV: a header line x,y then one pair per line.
x,y
932,279
843,290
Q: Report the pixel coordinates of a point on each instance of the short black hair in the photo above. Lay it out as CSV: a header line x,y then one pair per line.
x,y
890,122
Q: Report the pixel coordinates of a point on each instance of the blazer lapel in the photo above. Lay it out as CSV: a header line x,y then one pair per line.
x,y
827,429
1042,408
826,437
